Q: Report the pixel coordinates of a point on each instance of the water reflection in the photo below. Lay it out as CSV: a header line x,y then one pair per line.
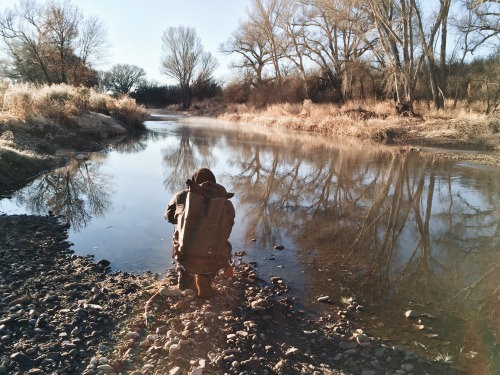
x,y
79,192
194,149
401,229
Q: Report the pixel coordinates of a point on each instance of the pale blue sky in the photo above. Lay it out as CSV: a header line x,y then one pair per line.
x,y
135,28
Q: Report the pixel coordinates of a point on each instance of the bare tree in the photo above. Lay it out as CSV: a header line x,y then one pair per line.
x,y
337,40
124,78
295,31
478,25
265,15
398,47
437,73
249,42
184,59
51,42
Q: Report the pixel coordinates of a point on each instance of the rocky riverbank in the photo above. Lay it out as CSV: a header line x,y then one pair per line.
x,y
67,314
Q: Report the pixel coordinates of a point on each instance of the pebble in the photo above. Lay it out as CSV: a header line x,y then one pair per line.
x,y
412,314
242,333
362,338
292,351
169,292
174,348
105,368
407,367
132,335
324,299
345,345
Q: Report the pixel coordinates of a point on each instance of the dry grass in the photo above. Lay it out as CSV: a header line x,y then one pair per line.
x,y
377,121
127,111
62,104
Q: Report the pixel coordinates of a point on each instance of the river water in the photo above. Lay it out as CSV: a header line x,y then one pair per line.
x,y
396,230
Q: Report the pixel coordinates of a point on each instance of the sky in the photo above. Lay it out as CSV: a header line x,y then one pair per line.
x,y
135,28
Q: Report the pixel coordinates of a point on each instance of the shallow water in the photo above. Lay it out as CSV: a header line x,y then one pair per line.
x,y
399,231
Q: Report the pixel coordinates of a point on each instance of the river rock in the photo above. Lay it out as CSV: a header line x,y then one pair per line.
x,y
132,335
292,351
19,357
361,337
174,349
105,368
324,299
169,292
251,364
412,314
408,367
346,345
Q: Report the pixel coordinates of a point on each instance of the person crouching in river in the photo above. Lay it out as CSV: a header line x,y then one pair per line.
x,y
203,217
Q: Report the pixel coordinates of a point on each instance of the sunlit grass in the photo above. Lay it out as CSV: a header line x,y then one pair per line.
x,y
375,120
346,300
62,103
444,358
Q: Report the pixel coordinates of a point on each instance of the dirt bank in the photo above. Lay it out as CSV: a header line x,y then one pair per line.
x,y
66,314
30,147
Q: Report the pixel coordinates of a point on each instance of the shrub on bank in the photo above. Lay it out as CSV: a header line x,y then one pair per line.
x,y
62,103
127,111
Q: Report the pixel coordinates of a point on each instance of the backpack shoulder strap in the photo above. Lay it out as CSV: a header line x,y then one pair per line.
x,y
209,189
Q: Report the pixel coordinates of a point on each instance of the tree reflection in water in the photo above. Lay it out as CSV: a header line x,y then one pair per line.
x,y
193,151
400,229
79,192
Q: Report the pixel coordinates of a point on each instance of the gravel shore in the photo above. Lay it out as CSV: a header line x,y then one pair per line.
x,y
67,314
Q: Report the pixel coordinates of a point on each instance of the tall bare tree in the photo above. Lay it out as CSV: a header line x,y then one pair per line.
x,y
437,72
398,46
184,59
295,31
337,41
250,44
51,42
265,15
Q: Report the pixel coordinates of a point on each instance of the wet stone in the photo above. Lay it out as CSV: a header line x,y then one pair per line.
x,y
19,357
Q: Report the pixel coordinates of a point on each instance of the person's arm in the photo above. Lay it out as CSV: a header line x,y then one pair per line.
x,y
170,211
175,207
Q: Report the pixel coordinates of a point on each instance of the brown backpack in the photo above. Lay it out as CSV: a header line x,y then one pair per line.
x,y
204,227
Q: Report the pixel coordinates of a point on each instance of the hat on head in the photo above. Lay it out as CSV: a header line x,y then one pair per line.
x,y
203,175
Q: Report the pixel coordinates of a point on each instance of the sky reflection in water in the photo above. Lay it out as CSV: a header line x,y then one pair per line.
x,y
399,230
